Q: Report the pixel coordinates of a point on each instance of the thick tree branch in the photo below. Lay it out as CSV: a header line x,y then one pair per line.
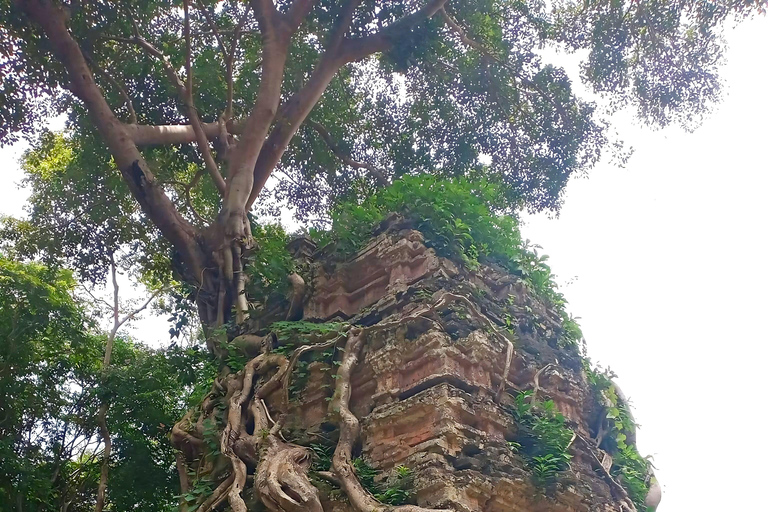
x,y
275,40
293,115
378,173
301,104
185,93
299,10
463,37
230,64
141,182
161,135
359,48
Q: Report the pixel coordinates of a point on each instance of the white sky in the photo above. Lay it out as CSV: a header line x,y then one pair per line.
x,y
671,278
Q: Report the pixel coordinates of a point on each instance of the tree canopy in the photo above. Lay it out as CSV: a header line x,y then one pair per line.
x,y
198,103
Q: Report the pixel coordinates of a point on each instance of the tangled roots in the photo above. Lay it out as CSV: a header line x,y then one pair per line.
x,y
281,478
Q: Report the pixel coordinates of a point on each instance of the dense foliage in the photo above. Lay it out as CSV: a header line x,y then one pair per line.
x,y
51,383
469,90
459,220
180,112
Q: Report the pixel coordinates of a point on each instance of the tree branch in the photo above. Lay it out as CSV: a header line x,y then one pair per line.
x,y
345,21
132,314
126,97
160,135
134,169
463,37
301,103
229,55
275,40
359,48
231,62
299,10
186,96
293,115
378,173
214,28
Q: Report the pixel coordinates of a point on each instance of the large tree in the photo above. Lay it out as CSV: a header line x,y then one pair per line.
x,y
196,104
199,103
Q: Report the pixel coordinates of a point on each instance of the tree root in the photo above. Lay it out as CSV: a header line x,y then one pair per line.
x,y
349,427
218,495
182,440
281,477
625,502
298,289
536,377
295,359
507,364
281,481
181,467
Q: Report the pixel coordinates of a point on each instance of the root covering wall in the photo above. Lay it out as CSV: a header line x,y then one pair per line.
x,y
410,383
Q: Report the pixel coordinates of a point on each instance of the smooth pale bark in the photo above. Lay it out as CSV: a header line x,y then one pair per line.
x,y
275,37
166,135
340,52
150,195
264,136
294,113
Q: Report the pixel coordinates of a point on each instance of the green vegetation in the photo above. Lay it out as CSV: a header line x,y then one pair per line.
x,y
268,265
629,467
631,470
50,388
395,491
542,437
459,220
301,332
454,103
291,335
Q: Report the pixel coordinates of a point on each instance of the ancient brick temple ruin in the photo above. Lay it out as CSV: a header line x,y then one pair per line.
x,y
432,391
448,357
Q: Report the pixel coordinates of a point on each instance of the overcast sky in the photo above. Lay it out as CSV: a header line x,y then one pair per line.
x,y
666,264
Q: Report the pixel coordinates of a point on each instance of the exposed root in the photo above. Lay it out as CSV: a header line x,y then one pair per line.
x,y
295,359
298,289
181,467
536,382
218,495
281,477
625,502
349,430
507,365
251,438
254,345
235,425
